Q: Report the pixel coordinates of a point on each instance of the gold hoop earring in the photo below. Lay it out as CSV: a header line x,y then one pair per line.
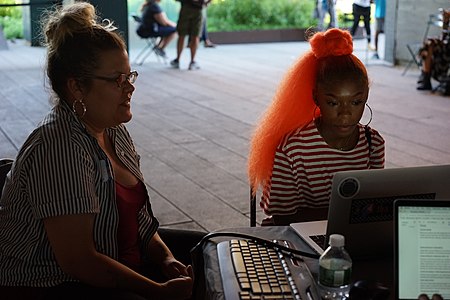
x,y
371,114
83,108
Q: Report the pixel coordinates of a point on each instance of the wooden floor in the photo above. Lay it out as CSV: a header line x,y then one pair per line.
x,y
192,128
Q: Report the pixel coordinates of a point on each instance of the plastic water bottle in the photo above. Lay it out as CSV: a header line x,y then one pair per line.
x,y
335,270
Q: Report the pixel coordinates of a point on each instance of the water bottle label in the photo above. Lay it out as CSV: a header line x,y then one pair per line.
x,y
334,278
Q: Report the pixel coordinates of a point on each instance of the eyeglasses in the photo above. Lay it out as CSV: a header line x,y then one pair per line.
x,y
121,79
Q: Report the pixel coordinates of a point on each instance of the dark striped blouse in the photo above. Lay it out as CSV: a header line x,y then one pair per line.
x,y
61,170
304,166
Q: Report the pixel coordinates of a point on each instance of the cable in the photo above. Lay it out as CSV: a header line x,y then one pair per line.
x,y
258,240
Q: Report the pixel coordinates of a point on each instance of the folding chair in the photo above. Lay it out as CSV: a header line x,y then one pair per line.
x,y
152,43
413,48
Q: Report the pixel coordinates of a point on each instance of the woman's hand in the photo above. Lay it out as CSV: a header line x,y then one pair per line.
x,y
172,268
178,288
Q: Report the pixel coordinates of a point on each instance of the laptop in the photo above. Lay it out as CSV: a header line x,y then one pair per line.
x,y
361,207
422,248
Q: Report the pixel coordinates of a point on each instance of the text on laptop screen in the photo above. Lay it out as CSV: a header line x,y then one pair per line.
x,y
423,251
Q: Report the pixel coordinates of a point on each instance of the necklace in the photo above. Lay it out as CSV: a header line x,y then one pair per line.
x,y
341,148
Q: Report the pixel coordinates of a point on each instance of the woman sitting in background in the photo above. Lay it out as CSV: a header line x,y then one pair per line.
x,y
435,55
156,24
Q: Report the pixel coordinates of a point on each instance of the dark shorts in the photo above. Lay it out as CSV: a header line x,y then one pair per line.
x,y
189,21
380,24
162,31
166,30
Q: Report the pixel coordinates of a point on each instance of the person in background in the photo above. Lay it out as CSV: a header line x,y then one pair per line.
x,y
380,12
323,7
155,23
312,130
205,37
423,297
76,220
189,24
361,8
435,55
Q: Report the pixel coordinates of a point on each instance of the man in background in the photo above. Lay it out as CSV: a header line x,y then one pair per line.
x,y
189,23
380,12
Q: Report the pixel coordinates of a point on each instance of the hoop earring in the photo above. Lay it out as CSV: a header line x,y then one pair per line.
x,y
314,113
83,108
371,114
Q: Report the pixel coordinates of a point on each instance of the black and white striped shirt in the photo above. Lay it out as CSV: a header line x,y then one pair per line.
x,y
61,170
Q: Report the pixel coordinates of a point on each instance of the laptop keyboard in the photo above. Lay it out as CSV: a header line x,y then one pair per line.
x,y
320,240
265,273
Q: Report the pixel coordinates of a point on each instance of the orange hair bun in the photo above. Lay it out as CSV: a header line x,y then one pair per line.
x,y
333,42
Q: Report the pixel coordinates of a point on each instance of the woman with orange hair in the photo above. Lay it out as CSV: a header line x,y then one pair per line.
x,y
312,130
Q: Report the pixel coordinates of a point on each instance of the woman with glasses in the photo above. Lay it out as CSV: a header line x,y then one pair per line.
x,y
75,216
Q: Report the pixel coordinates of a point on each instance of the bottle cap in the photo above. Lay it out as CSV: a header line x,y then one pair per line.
x,y
337,240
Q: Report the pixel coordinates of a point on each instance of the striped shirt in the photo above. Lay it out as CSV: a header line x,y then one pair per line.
x,y
304,166
62,170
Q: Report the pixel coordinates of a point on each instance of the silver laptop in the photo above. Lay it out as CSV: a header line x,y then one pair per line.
x,y
422,248
361,206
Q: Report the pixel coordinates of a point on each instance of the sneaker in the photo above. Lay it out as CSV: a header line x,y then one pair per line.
x,y
370,47
209,44
375,56
194,66
163,53
159,52
175,63
424,86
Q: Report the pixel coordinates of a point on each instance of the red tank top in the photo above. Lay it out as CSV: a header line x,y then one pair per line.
x,y
130,200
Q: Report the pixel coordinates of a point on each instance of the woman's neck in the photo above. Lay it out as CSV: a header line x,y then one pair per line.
x,y
336,142
96,132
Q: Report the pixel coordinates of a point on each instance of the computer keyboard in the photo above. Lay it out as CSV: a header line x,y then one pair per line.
x,y
254,271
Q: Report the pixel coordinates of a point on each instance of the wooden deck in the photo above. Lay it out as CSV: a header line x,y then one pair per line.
x,y
192,128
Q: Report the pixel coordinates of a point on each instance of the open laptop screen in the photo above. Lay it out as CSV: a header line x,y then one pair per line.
x,y
422,248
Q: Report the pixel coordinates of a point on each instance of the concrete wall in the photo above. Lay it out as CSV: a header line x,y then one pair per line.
x,y
406,22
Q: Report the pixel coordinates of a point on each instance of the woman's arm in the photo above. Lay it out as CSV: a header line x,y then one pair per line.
x,y
160,254
71,239
162,19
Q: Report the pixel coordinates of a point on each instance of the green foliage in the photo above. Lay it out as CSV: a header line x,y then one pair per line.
x,y
345,20
12,27
233,15
11,20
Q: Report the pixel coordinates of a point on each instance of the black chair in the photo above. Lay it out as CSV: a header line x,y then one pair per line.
x,y
151,41
5,166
